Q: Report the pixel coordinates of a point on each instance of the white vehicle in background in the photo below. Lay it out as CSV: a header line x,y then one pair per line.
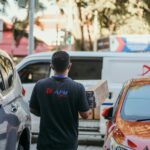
x,y
87,68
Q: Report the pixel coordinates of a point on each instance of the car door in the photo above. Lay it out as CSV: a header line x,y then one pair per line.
x,y
9,121
29,74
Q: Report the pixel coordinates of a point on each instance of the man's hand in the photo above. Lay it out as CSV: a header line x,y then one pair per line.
x,y
35,112
86,114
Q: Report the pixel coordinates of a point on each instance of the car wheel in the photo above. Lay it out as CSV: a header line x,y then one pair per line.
x,y
20,147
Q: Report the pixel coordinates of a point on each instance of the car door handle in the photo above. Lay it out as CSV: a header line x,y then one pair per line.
x,y
14,107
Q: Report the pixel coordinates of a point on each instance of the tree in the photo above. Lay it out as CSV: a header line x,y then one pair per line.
x,y
114,17
122,16
80,20
20,26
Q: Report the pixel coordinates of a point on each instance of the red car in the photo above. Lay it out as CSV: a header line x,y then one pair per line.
x,y
128,126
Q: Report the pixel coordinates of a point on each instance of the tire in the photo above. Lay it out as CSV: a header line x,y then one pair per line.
x,y
20,147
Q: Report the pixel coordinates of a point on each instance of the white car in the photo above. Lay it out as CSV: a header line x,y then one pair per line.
x,y
15,120
37,66
87,68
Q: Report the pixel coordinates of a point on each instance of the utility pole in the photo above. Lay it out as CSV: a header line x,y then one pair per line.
x,y
31,26
70,24
95,29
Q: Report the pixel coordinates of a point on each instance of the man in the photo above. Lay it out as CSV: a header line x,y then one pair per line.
x,y
58,100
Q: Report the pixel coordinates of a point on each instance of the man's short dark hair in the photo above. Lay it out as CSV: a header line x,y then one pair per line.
x,y
60,61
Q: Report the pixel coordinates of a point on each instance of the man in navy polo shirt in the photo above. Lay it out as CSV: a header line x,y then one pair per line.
x,y
58,100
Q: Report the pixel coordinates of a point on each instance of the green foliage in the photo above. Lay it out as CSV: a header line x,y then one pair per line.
x,y
114,16
122,16
3,1
20,26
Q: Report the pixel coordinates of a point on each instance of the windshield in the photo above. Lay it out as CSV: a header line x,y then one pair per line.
x,y
137,103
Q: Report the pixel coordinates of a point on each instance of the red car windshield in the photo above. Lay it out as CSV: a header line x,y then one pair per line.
x,y
136,104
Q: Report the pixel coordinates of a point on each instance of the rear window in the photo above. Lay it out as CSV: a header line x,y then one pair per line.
x,y
137,103
86,69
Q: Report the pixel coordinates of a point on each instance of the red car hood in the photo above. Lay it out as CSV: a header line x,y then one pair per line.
x,y
134,133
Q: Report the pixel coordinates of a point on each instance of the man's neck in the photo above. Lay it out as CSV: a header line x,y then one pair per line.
x,y
61,74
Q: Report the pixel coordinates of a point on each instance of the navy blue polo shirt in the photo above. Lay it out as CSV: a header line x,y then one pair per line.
x,y
59,100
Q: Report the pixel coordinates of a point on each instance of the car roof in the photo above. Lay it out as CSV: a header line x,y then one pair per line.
x,y
139,81
95,54
71,53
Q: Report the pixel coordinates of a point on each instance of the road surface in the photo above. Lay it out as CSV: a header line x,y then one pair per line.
x,y
85,143
81,147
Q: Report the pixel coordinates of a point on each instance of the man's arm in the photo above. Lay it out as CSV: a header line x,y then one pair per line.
x,y
86,114
83,106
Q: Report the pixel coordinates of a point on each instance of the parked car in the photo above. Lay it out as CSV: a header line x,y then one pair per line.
x,y
15,120
86,69
128,126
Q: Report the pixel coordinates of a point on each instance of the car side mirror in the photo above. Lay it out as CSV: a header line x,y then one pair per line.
x,y
107,113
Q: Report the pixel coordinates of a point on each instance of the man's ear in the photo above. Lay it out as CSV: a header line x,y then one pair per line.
x,y
52,66
69,66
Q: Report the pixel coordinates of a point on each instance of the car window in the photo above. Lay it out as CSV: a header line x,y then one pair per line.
x,y
136,103
86,69
6,71
34,72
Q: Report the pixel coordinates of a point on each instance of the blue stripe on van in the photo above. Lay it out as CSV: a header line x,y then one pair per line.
x,y
107,104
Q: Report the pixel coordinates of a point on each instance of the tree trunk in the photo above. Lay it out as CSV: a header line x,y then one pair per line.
x,y
82,47
89,35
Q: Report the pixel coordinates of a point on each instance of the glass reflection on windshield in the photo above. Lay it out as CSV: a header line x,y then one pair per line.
x,y
137,103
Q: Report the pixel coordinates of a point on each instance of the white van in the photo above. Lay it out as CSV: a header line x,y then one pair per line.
x,y
87,68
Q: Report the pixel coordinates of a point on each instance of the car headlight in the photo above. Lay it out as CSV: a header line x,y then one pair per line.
x,y
115,146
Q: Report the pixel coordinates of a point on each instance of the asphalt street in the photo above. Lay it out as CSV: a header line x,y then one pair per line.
x,y
81,147
85,143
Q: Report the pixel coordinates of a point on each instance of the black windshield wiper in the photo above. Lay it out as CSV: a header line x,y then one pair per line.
x,y
146,119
